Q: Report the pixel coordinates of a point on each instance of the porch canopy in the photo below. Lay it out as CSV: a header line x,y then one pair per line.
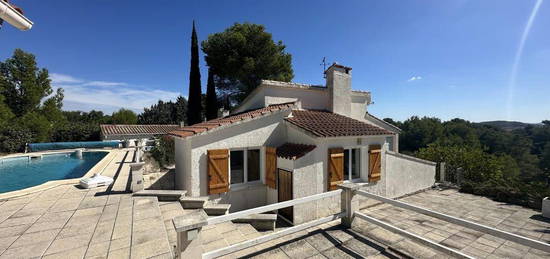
x,y
125,131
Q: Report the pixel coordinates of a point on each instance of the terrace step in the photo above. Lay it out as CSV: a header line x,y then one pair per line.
x,y
193,202
149,236
259,221
162,195
212,209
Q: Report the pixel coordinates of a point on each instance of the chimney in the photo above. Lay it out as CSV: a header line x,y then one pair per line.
x,y
339,87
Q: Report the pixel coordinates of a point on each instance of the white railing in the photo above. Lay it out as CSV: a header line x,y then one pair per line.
x,y
188,227
186,234
458,221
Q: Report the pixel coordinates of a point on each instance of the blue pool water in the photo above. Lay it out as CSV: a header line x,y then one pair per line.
x,y
19,173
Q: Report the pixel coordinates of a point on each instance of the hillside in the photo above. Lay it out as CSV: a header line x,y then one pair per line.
x,y
508,125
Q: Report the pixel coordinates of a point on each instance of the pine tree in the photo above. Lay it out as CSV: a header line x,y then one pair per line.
x,y
194,110
211,98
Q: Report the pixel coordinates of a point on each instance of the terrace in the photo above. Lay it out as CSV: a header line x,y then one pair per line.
x,y
108,222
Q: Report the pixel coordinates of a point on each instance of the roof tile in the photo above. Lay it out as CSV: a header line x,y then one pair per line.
x,y
294,151
328,124
211,124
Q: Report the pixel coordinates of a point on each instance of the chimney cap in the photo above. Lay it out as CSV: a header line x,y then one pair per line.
x,y
336,65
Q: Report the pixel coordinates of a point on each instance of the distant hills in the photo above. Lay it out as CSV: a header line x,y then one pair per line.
x,y
508,125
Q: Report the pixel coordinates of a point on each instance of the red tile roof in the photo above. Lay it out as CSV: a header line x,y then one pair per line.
x,y
294,151
211,124
112,130
328,124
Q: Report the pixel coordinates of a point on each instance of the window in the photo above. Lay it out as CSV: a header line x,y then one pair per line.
x,y
244,166
352,163
389,140
236,159
253,161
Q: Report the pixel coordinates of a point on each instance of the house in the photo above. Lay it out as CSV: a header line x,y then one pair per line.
x,y
287,141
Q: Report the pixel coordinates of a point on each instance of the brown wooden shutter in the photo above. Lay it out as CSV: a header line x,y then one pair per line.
x,y
218,167
270,167
335,168
375,163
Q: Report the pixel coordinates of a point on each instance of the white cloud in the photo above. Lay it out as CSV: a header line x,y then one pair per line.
x,y
60,79
85,95
104,83
414,78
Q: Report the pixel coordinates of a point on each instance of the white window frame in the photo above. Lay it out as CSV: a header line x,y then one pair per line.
x,y
350,178
245,166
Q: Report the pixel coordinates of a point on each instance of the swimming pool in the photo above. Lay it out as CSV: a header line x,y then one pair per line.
x,y
17,173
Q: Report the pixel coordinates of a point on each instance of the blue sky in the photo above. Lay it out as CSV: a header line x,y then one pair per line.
x,y
447,59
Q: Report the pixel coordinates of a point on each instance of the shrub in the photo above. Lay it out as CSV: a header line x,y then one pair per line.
x,y
163,151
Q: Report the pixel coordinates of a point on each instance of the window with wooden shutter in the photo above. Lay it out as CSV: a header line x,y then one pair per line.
x,y
375,162
218,176
270,167
335,168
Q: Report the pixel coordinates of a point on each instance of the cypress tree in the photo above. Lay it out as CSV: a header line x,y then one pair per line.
x,y
211,98
194,110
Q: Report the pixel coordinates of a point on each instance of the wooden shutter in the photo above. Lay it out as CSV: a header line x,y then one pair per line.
x,y
335,168
375,163
218,167
270,167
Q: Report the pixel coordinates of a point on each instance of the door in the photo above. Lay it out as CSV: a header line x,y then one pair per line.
x,y
284,191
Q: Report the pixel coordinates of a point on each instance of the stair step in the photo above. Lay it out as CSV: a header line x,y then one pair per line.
x,y
146,210
259,221
216,209
193,202
163,195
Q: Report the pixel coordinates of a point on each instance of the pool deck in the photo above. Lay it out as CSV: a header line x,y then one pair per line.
x,y
107,222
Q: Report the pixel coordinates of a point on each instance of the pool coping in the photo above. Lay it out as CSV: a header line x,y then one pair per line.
x,y
99,167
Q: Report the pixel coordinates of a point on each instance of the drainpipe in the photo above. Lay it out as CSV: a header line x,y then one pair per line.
x,y
14,16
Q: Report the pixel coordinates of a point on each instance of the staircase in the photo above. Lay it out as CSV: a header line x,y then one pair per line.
x,y
149,235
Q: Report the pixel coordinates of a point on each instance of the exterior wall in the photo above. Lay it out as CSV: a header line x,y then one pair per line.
x,y
260,132
312,98
407,174
359,105
307,179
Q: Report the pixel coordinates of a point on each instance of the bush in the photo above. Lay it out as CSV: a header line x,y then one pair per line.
x,y
13,139
163,151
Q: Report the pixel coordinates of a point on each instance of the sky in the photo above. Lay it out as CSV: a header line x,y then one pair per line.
x,y
476,60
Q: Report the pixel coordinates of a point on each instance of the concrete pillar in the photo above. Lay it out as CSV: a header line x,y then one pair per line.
x,y
442,172
348,203
188,230
546,207
136,174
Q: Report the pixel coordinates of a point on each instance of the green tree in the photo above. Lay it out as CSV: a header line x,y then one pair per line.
x,y
419,132
194,105
124,116
243,55
211,98
23,84
165,112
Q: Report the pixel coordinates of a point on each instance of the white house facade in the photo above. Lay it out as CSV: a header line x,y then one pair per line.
x,y
287,141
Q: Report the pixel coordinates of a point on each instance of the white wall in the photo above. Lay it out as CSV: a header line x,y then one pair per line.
x,y
407,174
311,98
258,132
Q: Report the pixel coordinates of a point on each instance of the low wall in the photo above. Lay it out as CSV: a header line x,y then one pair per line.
x,y
407,174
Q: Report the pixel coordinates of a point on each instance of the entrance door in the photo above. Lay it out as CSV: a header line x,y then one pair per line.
x,y
285,192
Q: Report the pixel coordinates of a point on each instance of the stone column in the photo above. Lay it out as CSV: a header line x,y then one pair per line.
x,y
348,203
188,230
136,174
442,172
